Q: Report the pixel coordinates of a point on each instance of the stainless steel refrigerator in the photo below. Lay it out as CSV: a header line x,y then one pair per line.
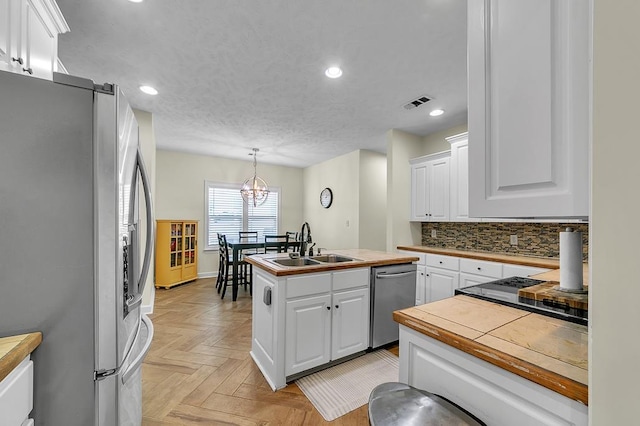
x,y
72,264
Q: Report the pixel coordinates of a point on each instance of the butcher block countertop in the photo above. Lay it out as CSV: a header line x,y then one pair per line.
x,y
538,262
547,351
364,258
14,349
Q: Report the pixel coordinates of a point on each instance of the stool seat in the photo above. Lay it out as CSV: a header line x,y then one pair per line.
x,y
398,404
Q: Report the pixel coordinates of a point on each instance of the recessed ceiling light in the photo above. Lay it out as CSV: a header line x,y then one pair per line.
x,y
148,90
436,112
333,72
136,1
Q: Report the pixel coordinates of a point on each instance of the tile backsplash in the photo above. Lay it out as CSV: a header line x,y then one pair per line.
x,y
534,239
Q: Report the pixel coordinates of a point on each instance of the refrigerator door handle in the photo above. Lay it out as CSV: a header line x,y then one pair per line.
x,y
137,299
103,374
135,364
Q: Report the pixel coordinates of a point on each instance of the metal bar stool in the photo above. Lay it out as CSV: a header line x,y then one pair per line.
x,y
397,404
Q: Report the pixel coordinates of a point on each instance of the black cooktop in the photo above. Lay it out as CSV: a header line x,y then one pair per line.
x,y
505,292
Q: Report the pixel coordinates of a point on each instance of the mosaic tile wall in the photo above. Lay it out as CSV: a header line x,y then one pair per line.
x,y
534,239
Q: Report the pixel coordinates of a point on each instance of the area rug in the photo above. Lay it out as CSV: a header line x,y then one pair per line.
x,y
345,387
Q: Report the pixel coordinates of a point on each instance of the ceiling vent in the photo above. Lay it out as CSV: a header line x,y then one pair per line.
x,y
417,102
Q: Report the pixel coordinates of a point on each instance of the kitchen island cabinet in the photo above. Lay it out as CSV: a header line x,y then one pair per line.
x,y
16,378
505,365
307,318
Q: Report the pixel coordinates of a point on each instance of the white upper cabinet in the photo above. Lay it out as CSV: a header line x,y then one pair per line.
x,y
29,32
459,181
430,187
529,95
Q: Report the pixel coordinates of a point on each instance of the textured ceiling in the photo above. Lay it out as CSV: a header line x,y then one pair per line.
x,y
237,74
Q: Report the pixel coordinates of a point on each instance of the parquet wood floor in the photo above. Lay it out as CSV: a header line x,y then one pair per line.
x,y
199,372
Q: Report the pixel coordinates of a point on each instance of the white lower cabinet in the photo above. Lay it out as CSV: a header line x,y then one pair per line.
x,y
440,284
16,394
494,395
350,322
308,333
442,277
305,321
421,284
474,272
438,276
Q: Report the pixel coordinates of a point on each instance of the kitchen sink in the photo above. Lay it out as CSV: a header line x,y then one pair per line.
x,y
295,262
332,258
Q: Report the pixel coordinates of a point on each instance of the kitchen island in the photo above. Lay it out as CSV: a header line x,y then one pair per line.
x,y
309,317
505,365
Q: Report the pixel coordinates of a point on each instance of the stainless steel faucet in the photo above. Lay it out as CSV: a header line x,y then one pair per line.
x,y
304,241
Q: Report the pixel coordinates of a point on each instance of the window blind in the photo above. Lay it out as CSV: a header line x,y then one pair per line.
x,y
227,213
264,218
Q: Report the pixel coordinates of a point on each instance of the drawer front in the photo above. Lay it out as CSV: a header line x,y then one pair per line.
x,y
350,278
521,271
481,267
306,285
16,394
444,262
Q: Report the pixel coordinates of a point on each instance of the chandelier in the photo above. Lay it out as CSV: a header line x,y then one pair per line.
x,y
255,190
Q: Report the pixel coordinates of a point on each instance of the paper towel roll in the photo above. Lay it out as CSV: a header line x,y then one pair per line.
x,y
571,260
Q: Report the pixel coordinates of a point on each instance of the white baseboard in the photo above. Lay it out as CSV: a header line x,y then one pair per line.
x,y
207,274
148,309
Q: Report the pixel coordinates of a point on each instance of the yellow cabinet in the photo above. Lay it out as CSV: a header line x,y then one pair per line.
x,y
176,252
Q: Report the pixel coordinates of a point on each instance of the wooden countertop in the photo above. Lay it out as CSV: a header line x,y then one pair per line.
x,y
547,351
14,349
364,258
539,262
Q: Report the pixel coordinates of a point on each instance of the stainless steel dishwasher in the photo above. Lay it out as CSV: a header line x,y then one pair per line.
x,y
392,287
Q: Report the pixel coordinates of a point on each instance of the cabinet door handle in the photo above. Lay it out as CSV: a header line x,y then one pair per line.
x,y
328,308
337,306
479,268
29,70
441,262
18,60
427,274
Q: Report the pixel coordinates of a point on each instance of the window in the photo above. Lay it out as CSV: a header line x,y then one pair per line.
x,y
227,213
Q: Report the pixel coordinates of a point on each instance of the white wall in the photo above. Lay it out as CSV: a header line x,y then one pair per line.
x,y
614,344
148,149
180,180
401,147
355,217
436,142
373,200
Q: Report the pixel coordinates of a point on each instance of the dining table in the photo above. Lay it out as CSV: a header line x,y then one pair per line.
x,y
237,247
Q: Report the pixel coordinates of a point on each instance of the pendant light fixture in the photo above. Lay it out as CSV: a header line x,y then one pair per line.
x,y
255,190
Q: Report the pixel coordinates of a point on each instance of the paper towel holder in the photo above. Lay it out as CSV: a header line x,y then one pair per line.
x,y
574,263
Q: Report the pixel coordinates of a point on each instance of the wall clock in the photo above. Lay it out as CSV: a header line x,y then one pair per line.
x,y
326,198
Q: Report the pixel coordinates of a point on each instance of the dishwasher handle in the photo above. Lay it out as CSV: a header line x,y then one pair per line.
x,y
396,275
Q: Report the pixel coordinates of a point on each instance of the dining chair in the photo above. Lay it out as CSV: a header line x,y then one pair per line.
x,y
224,263
246,269
293,238
225,268
276,243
